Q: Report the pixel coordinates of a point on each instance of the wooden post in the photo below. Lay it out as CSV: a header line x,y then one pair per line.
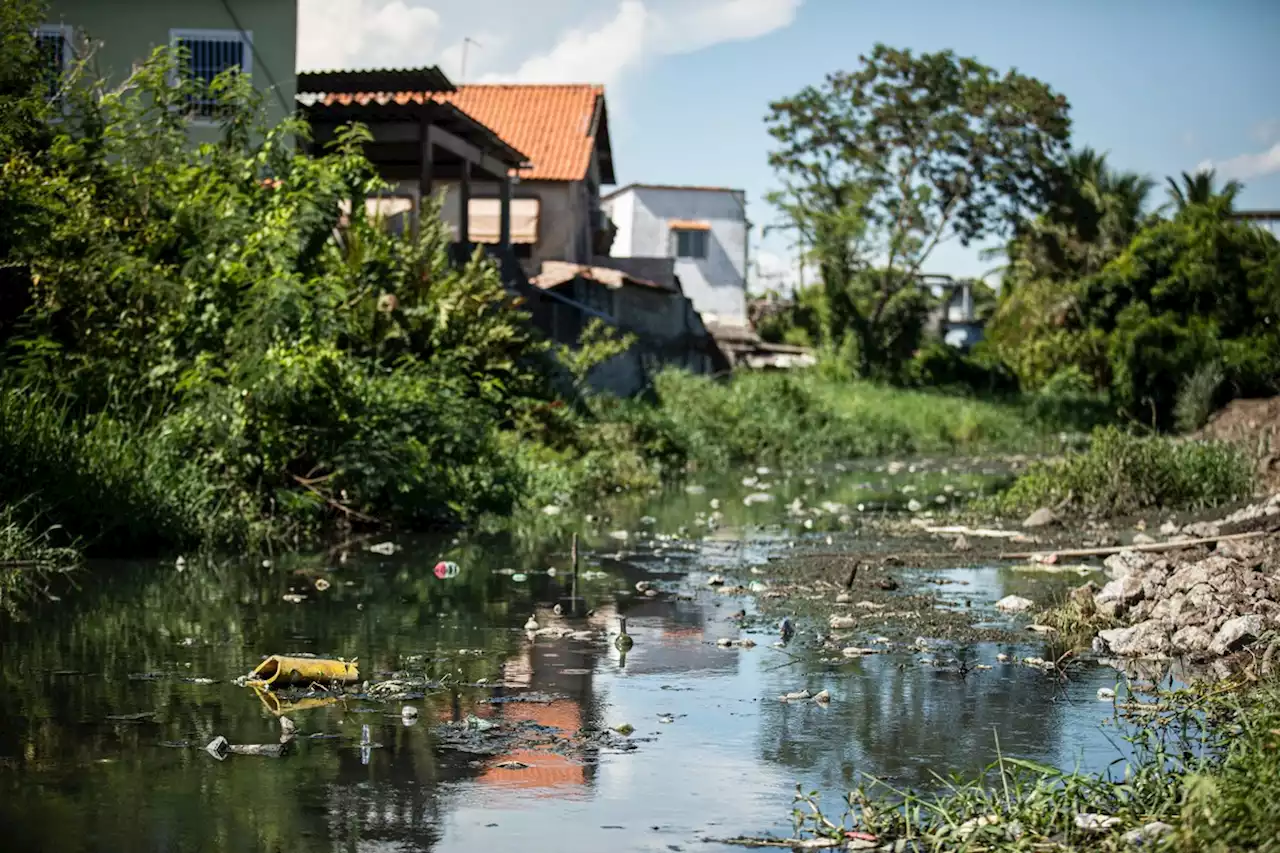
x,y
426,171
464,208
504,227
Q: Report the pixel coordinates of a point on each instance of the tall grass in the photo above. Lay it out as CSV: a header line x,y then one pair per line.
x,y
1203,765
124,490
1123,473
805,417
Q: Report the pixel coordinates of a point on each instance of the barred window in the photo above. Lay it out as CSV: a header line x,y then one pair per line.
x,y
208,53
54,45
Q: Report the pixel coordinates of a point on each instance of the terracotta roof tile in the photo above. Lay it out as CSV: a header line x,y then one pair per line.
x,y
551,124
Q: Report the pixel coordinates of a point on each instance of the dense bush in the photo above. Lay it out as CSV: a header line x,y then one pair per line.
x,y
1124,473
938,365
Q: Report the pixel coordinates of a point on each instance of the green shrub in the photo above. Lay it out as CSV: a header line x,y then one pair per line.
x,y
1196,397
940,366
1124,473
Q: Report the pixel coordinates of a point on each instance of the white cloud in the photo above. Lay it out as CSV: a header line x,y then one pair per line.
x,y
582,55
582,40
365,34
1244,166
1266,131
655,28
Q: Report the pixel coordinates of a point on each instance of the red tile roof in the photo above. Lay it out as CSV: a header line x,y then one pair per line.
x,y
554,125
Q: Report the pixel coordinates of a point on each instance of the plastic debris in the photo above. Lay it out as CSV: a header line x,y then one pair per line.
x,y
386,549
279,670
446,569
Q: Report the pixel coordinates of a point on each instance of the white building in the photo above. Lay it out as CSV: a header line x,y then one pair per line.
x,y
703,228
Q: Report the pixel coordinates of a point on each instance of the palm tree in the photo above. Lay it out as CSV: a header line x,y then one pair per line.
x,y
1092,217
1198,189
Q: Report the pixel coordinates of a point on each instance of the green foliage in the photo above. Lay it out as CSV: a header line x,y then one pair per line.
x,y
940,366
798,418
1203,764
228,350
1124,473
881,164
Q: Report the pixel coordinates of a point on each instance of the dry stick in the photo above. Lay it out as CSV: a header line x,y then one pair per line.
x,y
331,502
574,593
1155,546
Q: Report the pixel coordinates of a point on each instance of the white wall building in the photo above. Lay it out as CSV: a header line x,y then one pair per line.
x,y
703,228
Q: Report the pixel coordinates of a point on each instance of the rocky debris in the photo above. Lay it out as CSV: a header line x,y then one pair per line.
x,y
1014,604
1043,517
1146,639
1235,633
1196,603
1126,562
842,622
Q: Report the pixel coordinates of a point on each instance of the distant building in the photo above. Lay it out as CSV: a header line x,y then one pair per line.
x,y
555,198
259,37
703,228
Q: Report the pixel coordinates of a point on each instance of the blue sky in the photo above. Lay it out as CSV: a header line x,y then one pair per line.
x,y
1162,85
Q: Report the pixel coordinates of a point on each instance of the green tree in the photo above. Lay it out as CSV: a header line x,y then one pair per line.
x,y
1199,188
881,165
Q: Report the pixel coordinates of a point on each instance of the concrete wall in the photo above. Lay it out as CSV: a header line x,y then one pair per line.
x,y
717,283
564,232
129,30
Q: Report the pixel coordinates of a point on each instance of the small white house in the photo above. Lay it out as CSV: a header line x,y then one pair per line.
x,y
703,228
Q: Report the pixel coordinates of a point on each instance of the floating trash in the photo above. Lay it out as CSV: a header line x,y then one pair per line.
x,y
446,569
279,670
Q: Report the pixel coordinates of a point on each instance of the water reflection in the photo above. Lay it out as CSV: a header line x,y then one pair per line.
x,y
111,696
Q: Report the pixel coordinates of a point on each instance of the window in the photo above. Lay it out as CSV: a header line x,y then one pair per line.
x,y
54,44
208,53
484,220
689,238
689,243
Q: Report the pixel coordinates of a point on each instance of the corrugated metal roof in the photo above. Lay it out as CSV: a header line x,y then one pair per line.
x,y
556,273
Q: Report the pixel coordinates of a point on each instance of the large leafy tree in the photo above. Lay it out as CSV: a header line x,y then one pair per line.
x,y
881,165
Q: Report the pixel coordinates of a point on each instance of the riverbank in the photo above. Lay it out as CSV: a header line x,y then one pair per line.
x,y
127,490
1203,778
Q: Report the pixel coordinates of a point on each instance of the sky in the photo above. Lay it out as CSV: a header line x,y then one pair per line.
x,y
1162,86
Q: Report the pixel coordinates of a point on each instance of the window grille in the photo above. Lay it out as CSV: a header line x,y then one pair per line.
x,y
205,55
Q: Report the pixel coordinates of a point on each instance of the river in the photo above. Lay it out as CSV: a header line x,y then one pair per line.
x,y
110,694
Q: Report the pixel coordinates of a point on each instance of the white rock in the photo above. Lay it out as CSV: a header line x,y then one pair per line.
x,y
844,598
1106,694
842,622
1090,822
1014,604
1235,633
1042,517
1143,836
914,505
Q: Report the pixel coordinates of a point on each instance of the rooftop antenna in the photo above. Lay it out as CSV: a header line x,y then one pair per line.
x,y
466,41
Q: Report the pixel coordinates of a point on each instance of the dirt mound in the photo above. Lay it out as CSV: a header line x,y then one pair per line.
x,y
1255,424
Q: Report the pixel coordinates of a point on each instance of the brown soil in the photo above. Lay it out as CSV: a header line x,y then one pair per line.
x,y
1256,424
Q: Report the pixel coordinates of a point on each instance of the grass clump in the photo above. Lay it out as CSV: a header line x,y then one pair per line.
x,y
26,552
802,416
1203,777
1123,473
